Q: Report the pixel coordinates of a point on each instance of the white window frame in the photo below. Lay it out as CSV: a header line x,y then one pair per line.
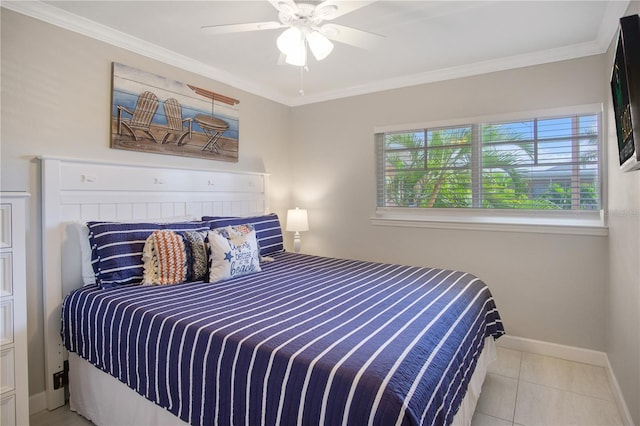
x,y
573,222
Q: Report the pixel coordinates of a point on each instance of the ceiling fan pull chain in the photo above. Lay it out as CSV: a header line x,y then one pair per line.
x,y
302,70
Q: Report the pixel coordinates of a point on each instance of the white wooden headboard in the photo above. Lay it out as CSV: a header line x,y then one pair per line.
x,y
79,191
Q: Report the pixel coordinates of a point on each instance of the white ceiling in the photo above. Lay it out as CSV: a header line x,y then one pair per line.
x,y
423,41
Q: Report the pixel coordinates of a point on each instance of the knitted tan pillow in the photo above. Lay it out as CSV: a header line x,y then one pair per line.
x,y
165,258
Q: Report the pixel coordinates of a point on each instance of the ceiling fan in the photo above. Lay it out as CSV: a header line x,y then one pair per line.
x,y
305,27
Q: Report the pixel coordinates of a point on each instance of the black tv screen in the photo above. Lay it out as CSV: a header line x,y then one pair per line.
x,y
625,92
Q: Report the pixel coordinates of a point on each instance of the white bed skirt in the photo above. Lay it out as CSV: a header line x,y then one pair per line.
x,y
105,400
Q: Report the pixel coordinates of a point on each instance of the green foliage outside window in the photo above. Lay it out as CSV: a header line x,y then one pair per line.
x,y
435,168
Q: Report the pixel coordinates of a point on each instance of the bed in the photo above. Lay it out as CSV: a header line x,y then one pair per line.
x,y
303,340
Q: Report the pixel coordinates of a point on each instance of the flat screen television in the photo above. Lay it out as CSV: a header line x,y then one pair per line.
x,y
625,92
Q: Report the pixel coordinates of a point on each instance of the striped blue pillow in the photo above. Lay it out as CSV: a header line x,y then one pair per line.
x,y
268,230
116,248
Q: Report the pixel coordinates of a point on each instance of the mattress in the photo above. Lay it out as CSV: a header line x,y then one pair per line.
x,y
308,340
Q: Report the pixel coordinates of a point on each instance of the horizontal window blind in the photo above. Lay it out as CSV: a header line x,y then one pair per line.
x,y
537,163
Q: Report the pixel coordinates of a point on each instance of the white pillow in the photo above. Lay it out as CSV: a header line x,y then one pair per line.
x,y
234,252
88,275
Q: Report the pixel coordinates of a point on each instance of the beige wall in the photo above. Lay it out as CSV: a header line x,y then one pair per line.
x,y
623,321
547,287
56,95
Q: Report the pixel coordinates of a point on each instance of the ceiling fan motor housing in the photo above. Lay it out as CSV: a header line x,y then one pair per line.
x,y
305,14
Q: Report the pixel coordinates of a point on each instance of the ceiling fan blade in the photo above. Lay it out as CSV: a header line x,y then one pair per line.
x,y
239,28
285,6
352,36
344,6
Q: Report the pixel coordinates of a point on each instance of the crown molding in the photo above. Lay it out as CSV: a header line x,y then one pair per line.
x,y
607,31
610,22
477,68
58,17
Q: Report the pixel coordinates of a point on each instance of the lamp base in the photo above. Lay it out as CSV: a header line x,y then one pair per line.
x,y
296,242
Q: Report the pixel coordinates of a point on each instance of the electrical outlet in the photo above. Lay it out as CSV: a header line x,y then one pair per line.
x,y
58,380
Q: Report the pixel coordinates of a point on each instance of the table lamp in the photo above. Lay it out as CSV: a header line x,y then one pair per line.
x,y
297,222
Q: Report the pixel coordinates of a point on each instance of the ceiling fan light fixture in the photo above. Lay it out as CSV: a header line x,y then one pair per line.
x,y
297,59
297,56
320,46
290,41
292,44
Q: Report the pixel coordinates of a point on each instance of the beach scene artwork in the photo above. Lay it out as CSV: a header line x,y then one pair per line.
x,y
152,113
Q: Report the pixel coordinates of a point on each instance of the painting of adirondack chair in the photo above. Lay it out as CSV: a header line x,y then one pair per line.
x,y
141,117
154,114
175,122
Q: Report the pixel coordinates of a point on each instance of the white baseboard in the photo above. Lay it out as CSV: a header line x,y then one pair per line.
x,y
617,394
37,403
571,353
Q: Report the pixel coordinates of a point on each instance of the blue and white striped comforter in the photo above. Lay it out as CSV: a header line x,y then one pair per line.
x,y
308,340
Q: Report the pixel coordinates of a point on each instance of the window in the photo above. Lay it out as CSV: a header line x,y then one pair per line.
x,y
545,164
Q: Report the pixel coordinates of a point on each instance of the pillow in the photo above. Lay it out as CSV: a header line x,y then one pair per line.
x,y
88,273
88,268
197,254
234,252
172,258
117,248
165,258
268,230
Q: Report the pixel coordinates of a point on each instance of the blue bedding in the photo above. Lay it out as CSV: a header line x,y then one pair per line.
x,y
308,340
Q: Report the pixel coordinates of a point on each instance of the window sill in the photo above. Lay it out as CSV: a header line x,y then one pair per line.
x,y
569,223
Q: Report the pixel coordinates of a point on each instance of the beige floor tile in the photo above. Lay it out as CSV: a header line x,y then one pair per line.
x,y
542,405
588,380
507,363
498,397
484,420
58,417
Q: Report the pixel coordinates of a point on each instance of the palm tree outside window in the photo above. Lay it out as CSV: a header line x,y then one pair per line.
x,y
548,163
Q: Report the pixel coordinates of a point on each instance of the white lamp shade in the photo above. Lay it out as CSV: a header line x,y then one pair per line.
x,y
291,43
320,45
298,58
297,220
289,40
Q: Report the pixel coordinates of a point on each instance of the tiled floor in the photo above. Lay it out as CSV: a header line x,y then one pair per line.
x,y
527,389
520,389
59,417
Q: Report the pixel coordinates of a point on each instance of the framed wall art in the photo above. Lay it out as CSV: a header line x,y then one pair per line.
x,y
151,113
